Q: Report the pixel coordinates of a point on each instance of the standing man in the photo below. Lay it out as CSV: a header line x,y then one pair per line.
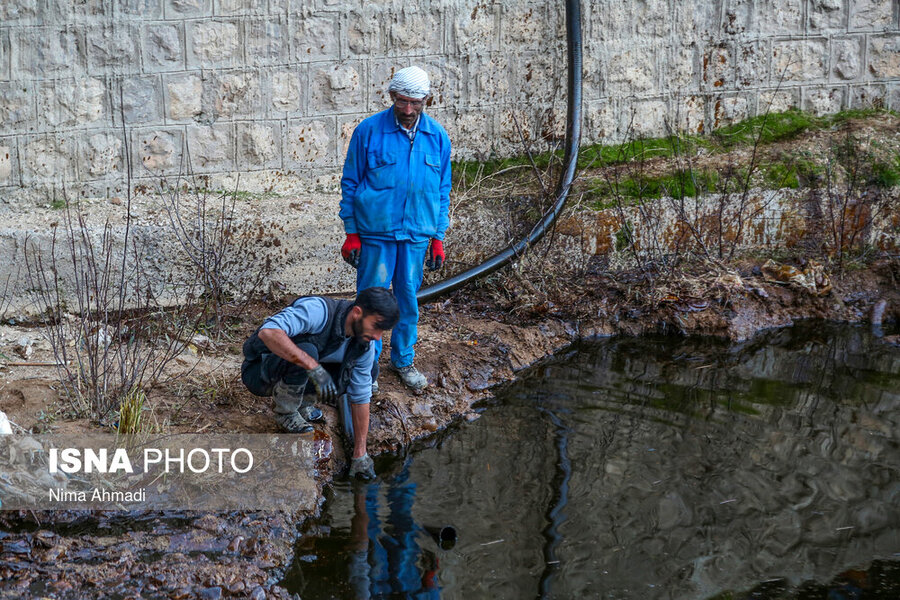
x,y
395,207
289,349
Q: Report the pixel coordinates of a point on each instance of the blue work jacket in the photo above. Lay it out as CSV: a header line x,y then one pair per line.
x,y
392,188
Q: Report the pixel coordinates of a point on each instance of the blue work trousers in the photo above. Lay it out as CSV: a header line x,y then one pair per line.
x,y
397,265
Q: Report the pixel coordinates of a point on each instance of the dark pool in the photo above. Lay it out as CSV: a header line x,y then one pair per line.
x,y
643,468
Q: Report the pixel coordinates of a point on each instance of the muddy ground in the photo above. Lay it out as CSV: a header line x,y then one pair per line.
x,y
469,343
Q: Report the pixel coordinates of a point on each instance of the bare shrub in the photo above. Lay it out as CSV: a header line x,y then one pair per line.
x,y
852,199
6,294
110,335
227,257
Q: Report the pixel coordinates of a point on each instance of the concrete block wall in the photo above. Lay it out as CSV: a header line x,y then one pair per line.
x,y
278,85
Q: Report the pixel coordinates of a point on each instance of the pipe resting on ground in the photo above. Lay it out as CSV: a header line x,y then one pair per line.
x,y
573,139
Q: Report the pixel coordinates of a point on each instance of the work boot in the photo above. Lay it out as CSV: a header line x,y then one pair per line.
x,y
287,400
411,377
310,412
362,468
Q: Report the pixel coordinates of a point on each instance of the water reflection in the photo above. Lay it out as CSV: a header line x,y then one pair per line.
x,y
387,560
385,553
646,468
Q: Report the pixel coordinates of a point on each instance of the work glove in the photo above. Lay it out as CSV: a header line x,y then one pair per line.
x,y
435,255
351,249
362,468
325,387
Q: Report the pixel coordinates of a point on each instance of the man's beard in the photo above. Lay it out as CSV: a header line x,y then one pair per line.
x,y
357,329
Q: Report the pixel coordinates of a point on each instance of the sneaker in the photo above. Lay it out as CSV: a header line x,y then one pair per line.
x,y
293,422
362,468
374,388
411,377
312,414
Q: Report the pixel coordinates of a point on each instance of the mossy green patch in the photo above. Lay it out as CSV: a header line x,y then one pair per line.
x,y
768,128
686,183
638,149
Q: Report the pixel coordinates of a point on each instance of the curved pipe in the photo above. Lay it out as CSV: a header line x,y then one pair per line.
x,y
573,138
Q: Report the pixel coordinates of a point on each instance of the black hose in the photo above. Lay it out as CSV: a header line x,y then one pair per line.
x,y
573,139
556,516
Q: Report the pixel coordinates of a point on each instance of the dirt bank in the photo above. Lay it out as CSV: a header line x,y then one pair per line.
x,y
469,343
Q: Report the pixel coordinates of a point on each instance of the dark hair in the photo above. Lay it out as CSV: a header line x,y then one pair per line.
x,y
379,301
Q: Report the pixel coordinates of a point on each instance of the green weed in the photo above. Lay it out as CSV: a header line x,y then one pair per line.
x,y
130,409
780,175
623,237
885,175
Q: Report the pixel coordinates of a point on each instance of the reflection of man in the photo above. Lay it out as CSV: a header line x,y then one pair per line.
x,y
289,350
359,579
395,205
387,562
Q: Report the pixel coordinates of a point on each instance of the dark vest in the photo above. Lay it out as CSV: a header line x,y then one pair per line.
x,y
327,341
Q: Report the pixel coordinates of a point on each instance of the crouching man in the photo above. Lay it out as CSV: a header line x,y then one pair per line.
x,y
289,350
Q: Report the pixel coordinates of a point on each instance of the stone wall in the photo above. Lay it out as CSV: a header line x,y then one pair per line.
x,y
277,86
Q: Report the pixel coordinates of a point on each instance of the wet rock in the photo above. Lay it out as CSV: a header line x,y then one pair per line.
x,y
235,544
211,593
323,446
421,409
893,340
237,588
480,380
17,547
258,593
54,553
45,538
210,523
444,381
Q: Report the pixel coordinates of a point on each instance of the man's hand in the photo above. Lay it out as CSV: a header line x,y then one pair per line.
x,y
435,255
362,468
351,249
325,387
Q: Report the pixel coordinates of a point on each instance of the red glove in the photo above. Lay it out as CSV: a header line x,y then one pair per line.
x,y
351,249
435,255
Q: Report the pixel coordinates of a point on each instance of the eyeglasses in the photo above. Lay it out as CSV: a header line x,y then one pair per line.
x,y
400,102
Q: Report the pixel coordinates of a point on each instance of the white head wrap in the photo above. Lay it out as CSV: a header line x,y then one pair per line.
x,y
411,82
